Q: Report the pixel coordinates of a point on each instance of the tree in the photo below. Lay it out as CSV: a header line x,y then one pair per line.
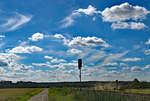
x,y
135,84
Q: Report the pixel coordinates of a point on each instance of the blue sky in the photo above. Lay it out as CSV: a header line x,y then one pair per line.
x,y
42,40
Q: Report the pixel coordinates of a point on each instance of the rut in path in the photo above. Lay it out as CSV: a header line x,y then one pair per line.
x,y
43,96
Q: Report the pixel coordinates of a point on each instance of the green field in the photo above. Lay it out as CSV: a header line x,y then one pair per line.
x,y
74,94
70,94
22,94
141,91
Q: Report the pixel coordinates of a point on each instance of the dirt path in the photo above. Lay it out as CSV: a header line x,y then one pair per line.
x,y
43,96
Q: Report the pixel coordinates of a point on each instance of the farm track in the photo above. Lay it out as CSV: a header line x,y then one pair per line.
x,y
42,96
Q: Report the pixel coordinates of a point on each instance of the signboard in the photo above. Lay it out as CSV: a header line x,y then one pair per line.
x,y
79,63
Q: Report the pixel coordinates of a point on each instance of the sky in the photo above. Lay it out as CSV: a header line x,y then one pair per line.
x,y
41,41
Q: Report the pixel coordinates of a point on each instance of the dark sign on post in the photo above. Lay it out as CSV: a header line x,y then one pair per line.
x,y
79,63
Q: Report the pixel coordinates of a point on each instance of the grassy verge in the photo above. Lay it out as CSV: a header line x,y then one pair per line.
x,y
60,94
69,94
18,94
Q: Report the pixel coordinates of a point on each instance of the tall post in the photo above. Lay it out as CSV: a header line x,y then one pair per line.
x,y
117,84
80,76
79,67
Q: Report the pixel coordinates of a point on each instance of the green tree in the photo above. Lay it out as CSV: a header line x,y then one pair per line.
x,y
135,84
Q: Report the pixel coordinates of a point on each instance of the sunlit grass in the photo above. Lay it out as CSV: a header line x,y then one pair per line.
x,y
22,94
60,94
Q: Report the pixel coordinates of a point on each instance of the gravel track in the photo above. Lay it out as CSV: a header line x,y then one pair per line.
x,y
42,96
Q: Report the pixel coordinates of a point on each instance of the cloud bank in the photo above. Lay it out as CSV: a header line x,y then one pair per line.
x,y
123,16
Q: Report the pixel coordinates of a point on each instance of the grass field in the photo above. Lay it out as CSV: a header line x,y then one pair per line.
x,y
69,94
107,87
22,94
141,91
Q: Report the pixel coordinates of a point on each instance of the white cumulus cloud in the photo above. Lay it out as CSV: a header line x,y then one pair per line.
x,y
119,14
131,59
89,11
147,52
59,36
36,37
83,41
110,64
25,49
87,41
136,69
124,12
2,36
126,25
10,60
48,57
69,20
57,60
74,51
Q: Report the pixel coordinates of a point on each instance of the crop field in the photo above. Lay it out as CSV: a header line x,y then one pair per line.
x,y
22,94
69,94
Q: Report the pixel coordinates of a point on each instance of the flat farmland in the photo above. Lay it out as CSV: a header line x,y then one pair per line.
x,y
18,94
71,94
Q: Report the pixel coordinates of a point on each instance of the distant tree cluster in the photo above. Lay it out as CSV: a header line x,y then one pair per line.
x,y
136,84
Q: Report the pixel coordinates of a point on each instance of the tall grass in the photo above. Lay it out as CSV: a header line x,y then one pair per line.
x,y
60,94
87,95
69,94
